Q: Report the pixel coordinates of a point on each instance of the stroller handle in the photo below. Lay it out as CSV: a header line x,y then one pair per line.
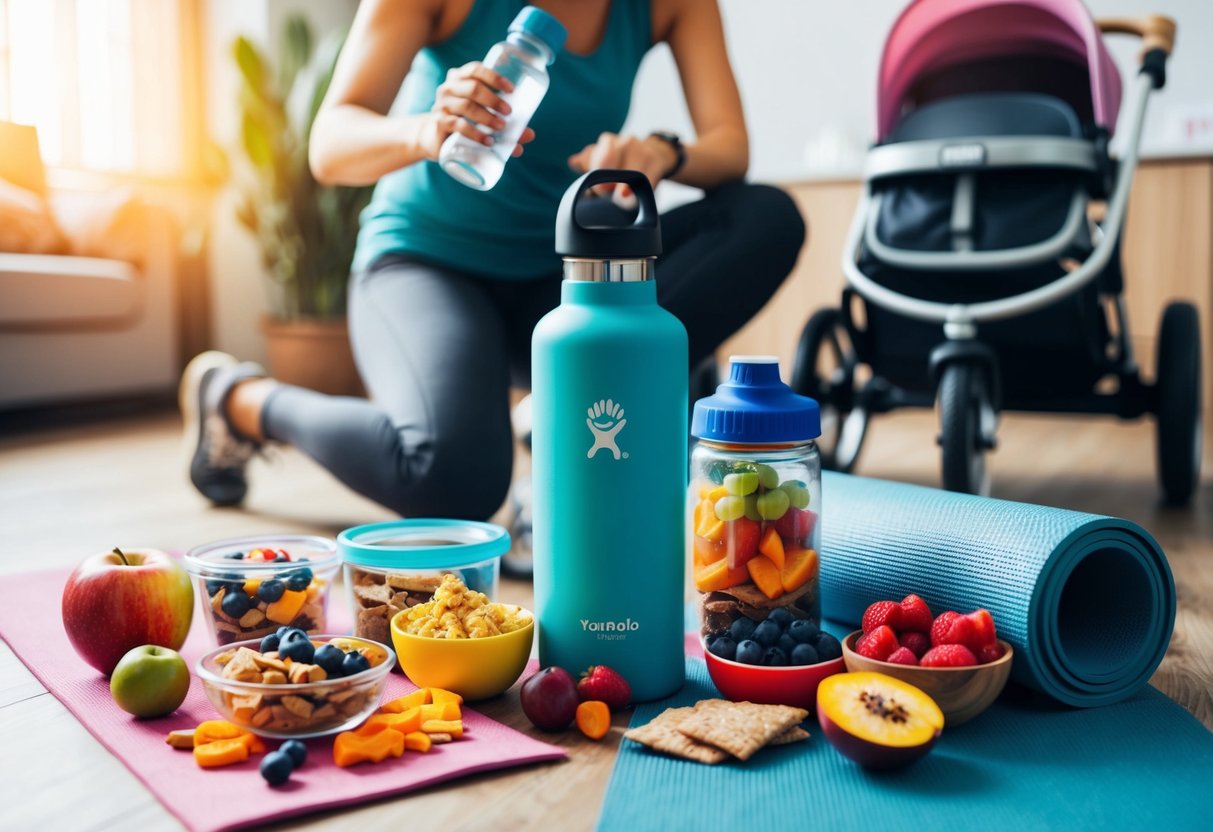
x,y
1155,30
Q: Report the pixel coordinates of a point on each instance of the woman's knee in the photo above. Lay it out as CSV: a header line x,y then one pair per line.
x,y
771,218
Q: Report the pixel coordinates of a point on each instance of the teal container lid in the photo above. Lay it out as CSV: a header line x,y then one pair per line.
x,y
419,543
540,24
754,406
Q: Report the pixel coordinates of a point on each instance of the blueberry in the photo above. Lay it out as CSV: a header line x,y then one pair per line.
x,y
299,580
804,654
296,647
354,663
741,629
786,644
724,646
774,657
767,633
828,648
330,657
235,556
213,586
271,590
749,652
269,644
281,559
276,767
802,631
235,602
780,616
296,750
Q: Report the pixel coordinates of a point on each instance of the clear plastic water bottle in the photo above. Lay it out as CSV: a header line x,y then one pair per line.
x,y
523,58
609,453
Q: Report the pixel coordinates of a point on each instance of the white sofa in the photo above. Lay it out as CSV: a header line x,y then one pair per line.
x,y
85,328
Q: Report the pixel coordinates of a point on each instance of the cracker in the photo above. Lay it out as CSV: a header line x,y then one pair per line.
x,y
793,734
740,728
661,734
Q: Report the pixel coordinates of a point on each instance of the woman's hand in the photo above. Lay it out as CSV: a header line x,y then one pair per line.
x,y
651,156
469,96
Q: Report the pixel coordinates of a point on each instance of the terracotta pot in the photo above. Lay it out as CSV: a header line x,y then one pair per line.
x,y
312,353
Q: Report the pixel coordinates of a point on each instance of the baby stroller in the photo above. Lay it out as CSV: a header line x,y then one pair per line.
x,y
977,278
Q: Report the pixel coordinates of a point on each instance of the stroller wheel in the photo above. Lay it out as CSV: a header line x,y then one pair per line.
x,y
966,416
1177,379
825,371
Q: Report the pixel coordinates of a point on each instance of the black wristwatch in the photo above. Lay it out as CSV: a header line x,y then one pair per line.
x,y
680,152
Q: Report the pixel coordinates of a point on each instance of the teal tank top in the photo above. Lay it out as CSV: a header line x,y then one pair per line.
x,y
506,232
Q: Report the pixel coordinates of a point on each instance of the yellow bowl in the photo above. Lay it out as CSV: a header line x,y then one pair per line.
x,y
960,692
474,668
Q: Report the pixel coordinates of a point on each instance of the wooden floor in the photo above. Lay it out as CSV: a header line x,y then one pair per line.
x,y
70,488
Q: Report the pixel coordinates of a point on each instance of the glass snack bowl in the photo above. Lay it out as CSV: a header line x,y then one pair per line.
x,y
301,709
250,586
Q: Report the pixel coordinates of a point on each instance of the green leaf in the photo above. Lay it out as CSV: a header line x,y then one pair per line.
x,y
251,63
256,142
296,50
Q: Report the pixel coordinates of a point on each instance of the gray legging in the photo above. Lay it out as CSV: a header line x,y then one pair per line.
x,y
437,350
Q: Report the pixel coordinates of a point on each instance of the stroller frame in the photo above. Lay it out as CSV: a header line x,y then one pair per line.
x,y
965,369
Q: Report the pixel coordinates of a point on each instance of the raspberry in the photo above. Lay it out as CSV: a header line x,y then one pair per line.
x,y
953,628
989,653
983,623
915,615
881,613
949,655
878,644
902,655
918,643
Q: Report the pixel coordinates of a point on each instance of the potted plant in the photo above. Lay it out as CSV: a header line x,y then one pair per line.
x,y
306,231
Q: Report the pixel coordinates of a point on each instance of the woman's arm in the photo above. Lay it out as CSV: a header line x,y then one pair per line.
x,y
721,151
354,141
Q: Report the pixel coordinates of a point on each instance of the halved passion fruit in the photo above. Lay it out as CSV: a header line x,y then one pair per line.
x,y
876,720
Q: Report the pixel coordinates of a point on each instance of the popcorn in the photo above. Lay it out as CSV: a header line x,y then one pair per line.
x,y
458,612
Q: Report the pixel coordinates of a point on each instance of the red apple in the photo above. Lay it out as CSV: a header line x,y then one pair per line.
x,y
120,600
796,526
741,541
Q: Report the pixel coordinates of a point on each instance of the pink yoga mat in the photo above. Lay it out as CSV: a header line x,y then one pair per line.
x,y
234,796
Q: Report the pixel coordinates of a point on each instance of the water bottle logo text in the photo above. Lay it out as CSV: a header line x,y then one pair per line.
x,y
605,421
610,630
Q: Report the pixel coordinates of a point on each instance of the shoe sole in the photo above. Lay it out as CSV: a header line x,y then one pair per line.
x,y
189,399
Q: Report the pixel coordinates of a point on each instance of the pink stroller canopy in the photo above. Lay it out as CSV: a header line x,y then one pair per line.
x,y
932,35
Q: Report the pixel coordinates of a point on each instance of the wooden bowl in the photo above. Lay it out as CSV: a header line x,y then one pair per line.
x,y
961,692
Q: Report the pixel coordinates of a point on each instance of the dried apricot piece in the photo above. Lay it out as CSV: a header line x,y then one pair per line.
x,y
594,718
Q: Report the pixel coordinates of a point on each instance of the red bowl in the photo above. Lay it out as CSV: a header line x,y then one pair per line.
x,y
794,685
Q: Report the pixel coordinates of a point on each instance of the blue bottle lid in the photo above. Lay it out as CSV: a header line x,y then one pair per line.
x,y
542,25
755,406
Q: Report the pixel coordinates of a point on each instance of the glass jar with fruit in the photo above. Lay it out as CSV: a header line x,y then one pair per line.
x,y
754,501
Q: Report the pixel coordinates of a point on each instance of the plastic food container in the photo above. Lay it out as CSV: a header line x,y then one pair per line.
x,y
298,710
754,500
246,596
395,565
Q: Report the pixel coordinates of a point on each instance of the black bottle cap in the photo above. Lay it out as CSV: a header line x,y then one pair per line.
x,y
577,236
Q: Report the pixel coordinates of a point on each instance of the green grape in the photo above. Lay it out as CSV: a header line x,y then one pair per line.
x,y
798,493
742,483
730,507
751,508
773,504
768,477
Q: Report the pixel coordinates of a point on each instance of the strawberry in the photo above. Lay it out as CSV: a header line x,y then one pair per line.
x,y
989,653
918,643
881,613
606,685
902,655
953,628
983,623
948,655
878,644
915,615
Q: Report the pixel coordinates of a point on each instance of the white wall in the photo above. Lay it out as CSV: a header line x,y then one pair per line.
x,y
807,72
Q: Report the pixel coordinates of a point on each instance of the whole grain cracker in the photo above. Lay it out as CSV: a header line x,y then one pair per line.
x,y
740,728
793,734
661,734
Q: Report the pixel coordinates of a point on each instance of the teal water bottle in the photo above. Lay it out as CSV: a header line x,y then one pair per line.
x,y
609,453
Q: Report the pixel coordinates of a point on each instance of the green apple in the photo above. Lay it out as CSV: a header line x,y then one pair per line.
x,y
150,681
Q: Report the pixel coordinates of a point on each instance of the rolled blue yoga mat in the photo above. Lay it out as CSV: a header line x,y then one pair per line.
x,y
1087,601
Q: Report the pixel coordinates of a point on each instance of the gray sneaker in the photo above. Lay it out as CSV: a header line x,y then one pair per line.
x,y
218,456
